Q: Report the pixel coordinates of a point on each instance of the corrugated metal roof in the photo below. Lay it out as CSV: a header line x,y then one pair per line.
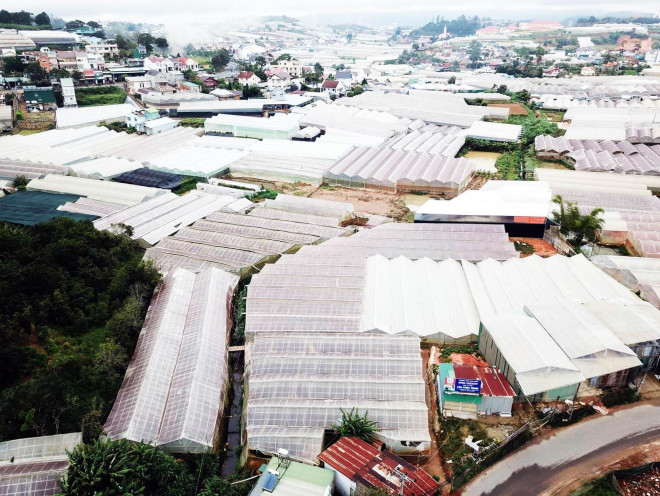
x,y
349,455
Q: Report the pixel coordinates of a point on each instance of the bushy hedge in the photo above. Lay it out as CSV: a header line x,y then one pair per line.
x,y
100,95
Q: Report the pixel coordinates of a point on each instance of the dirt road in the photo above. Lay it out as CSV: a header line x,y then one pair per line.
x,y
558,464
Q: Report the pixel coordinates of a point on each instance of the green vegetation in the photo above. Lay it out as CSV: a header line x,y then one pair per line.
x,y
20,182
619,396
71,307
532,127
576,227
508,165
197,122
119,127
524,248
187,184
463,466
239,305
107,468
598,487
447,351
565,418
376,492
487,146
264,194
100,95
355,425
462,26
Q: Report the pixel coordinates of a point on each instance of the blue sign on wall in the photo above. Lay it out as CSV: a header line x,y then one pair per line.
x,y
472,386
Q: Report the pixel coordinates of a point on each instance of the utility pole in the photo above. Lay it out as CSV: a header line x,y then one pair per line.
x,y
403,478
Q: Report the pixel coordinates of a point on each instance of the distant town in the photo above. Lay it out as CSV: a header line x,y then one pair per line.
x,y
296,259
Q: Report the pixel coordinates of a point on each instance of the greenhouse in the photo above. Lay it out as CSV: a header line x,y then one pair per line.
x,y
90,207
33,466
297,385
399,171
10,169
163,215
638,274
67,118
103,168
535,366
174,390
277,127
121,194
592,347
151,178
33,207
240,243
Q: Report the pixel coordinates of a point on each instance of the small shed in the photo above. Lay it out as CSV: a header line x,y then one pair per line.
x,y
467,390
158,126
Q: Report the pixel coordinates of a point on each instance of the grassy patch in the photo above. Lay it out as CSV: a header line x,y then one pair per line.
x,y
192,122
598,487
523,247
264,194
508,165
187,184
100,95
619,396
27,132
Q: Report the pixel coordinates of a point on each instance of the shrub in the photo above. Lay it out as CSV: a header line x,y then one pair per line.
x,y
619,396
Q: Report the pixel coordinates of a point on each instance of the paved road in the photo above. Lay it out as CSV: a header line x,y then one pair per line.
x,y
547,465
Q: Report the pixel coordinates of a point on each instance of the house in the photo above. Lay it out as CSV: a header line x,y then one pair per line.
x,y
139,118
209,82
109,49
467,390
540,26
334,88
360,467
135,83
140,52
223,94
186,64
6,118
189,87
292,67
248,78
66,59
157,126
279,79
588,71
45,62
159,64
68,92
284,477
552,72
345,76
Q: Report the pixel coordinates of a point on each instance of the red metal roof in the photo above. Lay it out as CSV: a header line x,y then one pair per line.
x,y
493,382
330,84
348,455
380,473
245,75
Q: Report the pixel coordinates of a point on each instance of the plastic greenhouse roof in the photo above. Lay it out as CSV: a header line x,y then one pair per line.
x,y
84,116
539,363
405,296
148,177
122,194
103,168
298,383
590,344
33,466
632,323
174,388
32,207
90,207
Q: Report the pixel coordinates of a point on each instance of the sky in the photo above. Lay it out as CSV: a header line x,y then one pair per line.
x,y
374,12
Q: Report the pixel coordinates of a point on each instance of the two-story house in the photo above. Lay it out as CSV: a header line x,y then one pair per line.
x,y
248,78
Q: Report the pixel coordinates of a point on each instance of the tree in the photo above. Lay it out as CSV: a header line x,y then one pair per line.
x,y
92,428
13,65
573,225
71,25
502,89
22,17
452,80
147,40
356,425
59,73
76,76
318,69
220,59
349,37
35,72
106,468
5,17
93,24
42,19
20,182
540,52
162,44
475,52
284,56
